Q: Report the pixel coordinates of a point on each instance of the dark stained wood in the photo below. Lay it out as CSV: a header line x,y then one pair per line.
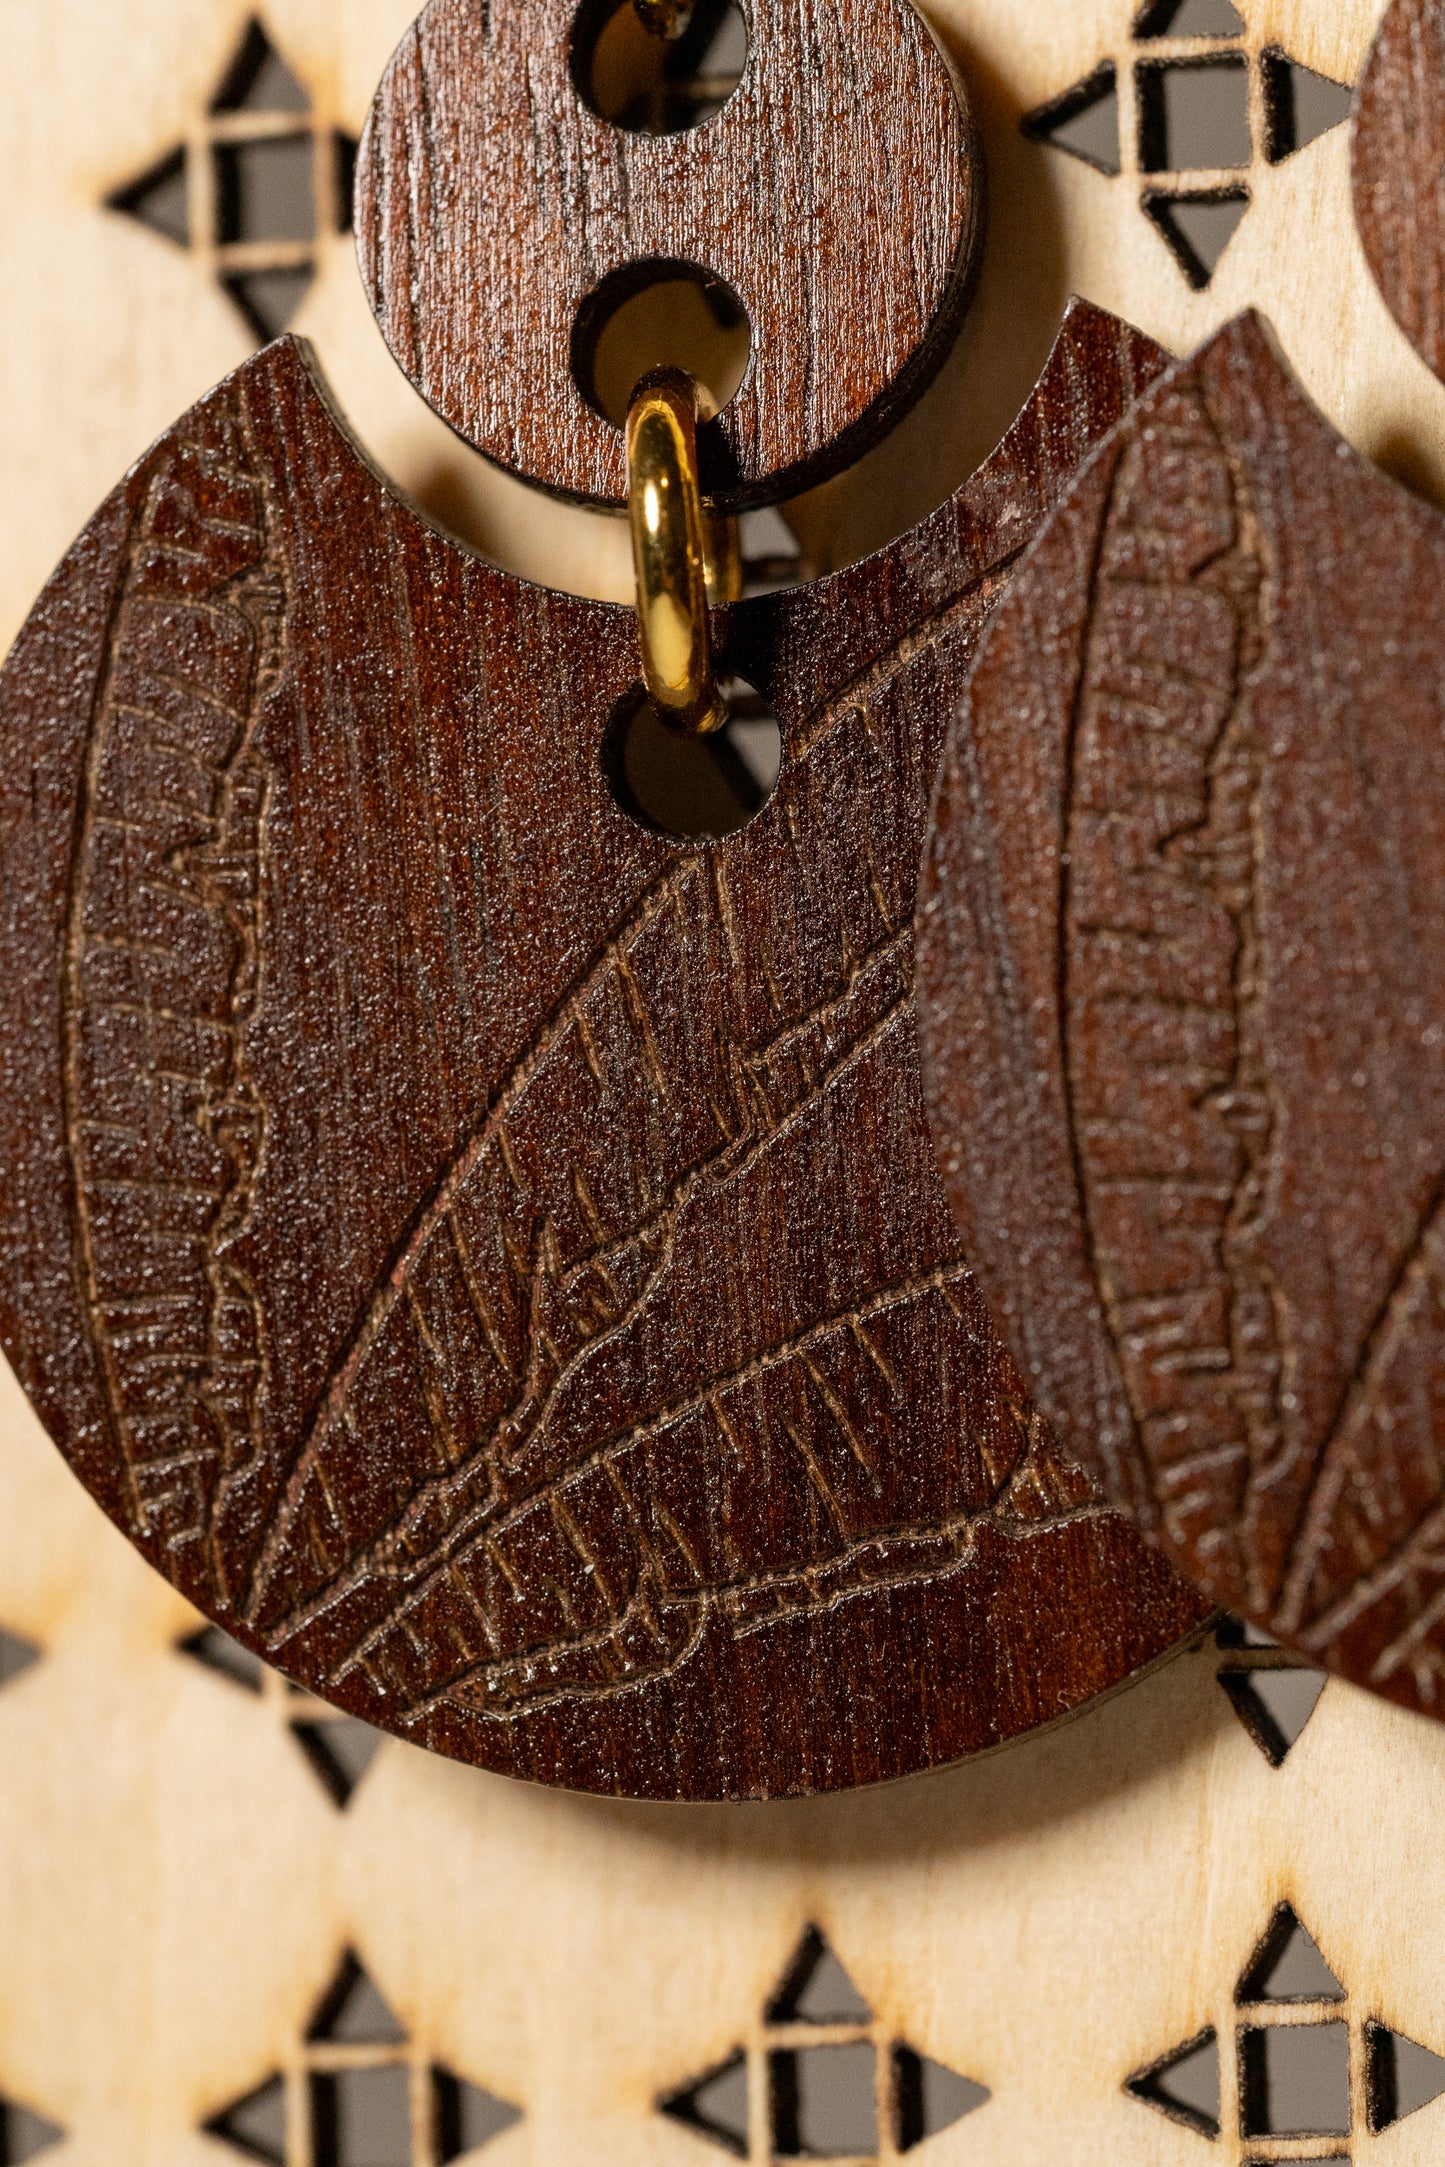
x,y
838,193
1399,170
1183,978
489,1256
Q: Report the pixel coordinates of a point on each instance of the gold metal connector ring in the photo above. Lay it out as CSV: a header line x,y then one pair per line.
x,y
670,536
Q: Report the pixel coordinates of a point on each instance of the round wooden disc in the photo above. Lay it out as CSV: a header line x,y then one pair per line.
x,y
837,193
1182,967
1399,170
487,1254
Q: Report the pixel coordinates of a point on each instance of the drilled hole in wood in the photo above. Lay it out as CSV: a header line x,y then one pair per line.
x,y
661,315
1194,115
658,86
679,784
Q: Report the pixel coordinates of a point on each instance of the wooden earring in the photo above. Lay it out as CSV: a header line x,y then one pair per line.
x,y
486,1251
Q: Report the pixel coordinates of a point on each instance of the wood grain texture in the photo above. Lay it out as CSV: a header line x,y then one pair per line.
x,y
1184,974
1399,171
489,1256
838,193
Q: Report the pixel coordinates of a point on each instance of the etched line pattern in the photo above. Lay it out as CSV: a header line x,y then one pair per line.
x,y
551,1488
1171,1102
165,1130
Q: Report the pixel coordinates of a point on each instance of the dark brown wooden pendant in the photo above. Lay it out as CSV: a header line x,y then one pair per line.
x,y
835,200
486,1253
1399,170
1183,976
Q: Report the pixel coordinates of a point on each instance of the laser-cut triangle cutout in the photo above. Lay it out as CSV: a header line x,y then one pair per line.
x,y
929,2097
467,2117
17,1655
226,1658
255,2125
1274,1706
1300,104
714,2105
354,2012
159,198
340,1751
1287,1966
1198,229
816,1989
1184,2085
1190,19
269,299
1401,2076
258,79
24,2134
1084,122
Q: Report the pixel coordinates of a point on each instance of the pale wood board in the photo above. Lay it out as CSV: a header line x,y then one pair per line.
x,y
175,1888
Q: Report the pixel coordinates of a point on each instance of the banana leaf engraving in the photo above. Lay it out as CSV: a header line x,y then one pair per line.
x,y
1206,721
166,1130
597,1486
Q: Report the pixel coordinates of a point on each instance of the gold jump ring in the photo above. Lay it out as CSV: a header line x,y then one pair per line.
x,y
670,551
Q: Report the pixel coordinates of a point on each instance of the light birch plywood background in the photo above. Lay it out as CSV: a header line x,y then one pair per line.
x,y
176,1888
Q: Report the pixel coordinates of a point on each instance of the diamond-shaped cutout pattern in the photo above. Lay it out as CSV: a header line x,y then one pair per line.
x,y
1278,2084
819,2079
1211,105
257,186
361,2093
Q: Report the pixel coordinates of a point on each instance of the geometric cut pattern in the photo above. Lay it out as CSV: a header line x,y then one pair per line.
x,y
1273,1692
252,188
339,1749
817,2080
24,2134
1185,115
1296,2076
358,2095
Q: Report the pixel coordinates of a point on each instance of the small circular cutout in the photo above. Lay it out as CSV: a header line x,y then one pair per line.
x,y
659,315
651,85
689,787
